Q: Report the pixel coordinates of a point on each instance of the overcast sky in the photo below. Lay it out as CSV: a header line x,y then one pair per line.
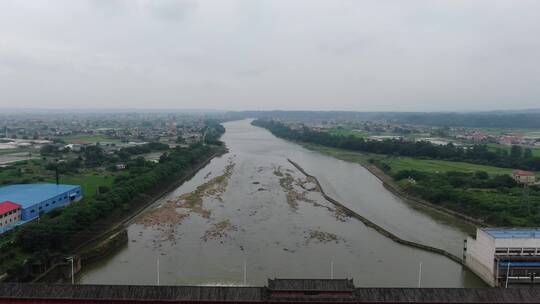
x,y
274,54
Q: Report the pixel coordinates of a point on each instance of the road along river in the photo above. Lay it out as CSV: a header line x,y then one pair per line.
x,y
253,208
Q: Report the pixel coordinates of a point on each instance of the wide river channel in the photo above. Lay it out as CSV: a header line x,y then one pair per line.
x,y
251,209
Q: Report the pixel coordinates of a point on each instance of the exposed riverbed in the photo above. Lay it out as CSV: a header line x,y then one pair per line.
x,y
251,205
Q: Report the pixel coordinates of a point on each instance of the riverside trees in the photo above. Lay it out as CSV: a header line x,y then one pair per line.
x,y
478,154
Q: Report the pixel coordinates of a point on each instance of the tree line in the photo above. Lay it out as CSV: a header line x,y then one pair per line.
x,y
517,157
52,233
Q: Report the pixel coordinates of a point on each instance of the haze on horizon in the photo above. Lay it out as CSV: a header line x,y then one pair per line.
x,y
452,55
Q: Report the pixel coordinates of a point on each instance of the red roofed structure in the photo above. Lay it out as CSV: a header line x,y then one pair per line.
x,y
8,206
10,213
524,177
523,173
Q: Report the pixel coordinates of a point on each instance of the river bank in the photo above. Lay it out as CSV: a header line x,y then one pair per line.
x,y
110,241
252,207
373,225
86,241
390,184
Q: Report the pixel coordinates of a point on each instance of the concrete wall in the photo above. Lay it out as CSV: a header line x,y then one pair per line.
x,y
480,256
482,248
486,274
517,243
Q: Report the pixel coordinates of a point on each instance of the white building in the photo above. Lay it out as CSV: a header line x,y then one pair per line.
x,y
499,255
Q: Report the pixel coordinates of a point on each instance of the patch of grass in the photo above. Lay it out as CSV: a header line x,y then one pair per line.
x,y
438,166
405,163
33,171
89,138
347,133
89,182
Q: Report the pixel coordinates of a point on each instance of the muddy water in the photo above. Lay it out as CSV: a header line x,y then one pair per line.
x,y
251,207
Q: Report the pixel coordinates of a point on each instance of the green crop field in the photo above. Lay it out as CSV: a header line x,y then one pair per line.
x,y
406,163
89,138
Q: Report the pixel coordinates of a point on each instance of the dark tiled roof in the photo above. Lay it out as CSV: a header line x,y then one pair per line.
x,y
129,292
107,293
447,295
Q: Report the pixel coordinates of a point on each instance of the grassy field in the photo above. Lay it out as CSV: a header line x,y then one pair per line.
x,y
33,172
346,133
89,182
366,134
404,163
89,138
436,166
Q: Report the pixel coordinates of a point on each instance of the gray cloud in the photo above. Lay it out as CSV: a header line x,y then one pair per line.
x,y
266,54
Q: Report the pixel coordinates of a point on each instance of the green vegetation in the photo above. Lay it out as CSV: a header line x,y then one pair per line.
x,y
497,200
346,133
89,138
487,193
493,147
462,187
35,171
90,182
109,195
407,163
478,154
439,166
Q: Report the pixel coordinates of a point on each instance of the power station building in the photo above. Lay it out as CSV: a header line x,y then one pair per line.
x,y
505,256
36,199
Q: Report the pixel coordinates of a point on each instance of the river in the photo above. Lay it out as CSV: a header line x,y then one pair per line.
x,y
251,210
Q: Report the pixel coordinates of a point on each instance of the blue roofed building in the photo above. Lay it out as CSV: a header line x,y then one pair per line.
x,y
505,255
36,199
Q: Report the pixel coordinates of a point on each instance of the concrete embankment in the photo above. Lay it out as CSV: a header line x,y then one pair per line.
x,y
376,227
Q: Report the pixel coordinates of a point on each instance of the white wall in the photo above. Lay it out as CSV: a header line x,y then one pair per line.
x,y
517,243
